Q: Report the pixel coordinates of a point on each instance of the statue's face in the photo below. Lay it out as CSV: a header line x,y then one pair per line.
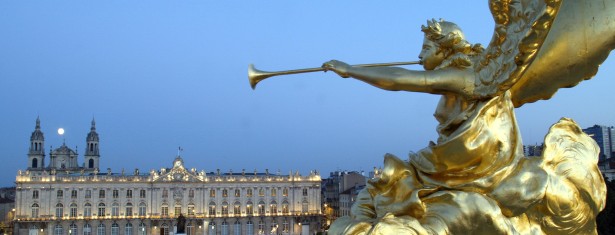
x,y
429,55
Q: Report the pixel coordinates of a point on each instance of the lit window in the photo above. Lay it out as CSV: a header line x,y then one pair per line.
x,y
164,210
59,210
237,209
285,207
142,209
273,207
224,209
178,210
261,208
237,193
212,209
190,209
261,192
249,192
224,193
249,208
212,193
285,192
274,192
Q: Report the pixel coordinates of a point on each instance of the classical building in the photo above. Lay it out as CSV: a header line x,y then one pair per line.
x,y
66,198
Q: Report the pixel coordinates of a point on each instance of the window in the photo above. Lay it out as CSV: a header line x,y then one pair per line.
x,y
178,210
101,193
142,209
164,229
249,228
273,207
35,210
87,210
87,229
261,192
224,228
88,193
72,229
73,194
224,193
224,209
128,209
237,209
165,193
190,209
165,210
115,229
60,194
274,227
249,192
142,229
100,230
249,208
237,193
142,193
261,208
190,229
58,230
285,207
304,206
73,210
191,193
305,192
59,210
274,192
128,229
261,227
212,193
129,193
212,228
101,209
212,209
237,228
285,227
285,192
116,194
115,209
35,194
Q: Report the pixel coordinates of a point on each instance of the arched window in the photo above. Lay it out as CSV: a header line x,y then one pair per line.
x,y
73,210
261,227
100,230
87,229
35,210
261,208
128,209
115,209
285,207
249,208
58,230
101,209
249,228
178,209
72,229
115,229
237,209
91,163
142,209
212,228
35,163
128,229
224,208
164,229
285,227
237,228
212,209
273,207
224,228
59,210
87,210
142,230
190,229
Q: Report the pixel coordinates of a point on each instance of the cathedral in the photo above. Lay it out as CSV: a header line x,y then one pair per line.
x,y
64,197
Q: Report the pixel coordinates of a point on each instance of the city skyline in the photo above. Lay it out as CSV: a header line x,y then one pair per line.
x,y
158,75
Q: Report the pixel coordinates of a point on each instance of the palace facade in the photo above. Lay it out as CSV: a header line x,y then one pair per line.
x,y
65,198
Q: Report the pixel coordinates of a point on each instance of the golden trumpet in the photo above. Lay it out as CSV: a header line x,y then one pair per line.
x,y
255,75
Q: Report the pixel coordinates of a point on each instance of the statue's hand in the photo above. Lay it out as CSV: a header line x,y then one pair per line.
x,y
338,67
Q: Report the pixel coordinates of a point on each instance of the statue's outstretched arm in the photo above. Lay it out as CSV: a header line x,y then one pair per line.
x,y
441,81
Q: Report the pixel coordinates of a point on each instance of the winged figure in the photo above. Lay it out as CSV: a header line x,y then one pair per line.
x,y
475,178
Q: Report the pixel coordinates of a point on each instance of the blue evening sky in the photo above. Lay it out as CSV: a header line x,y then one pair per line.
x,y
161,74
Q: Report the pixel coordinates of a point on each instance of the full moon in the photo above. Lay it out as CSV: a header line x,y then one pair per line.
x,y
61,131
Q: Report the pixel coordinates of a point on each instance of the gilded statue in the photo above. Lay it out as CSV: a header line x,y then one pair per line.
x,y
475,178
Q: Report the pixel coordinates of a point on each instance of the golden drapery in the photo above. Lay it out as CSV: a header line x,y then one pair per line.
x,y
478,181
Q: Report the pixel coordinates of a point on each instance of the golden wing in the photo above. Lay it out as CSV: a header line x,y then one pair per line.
x,y
580,39
521,26
540,46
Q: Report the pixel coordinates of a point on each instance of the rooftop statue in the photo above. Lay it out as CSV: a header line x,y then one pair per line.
x,y
475,178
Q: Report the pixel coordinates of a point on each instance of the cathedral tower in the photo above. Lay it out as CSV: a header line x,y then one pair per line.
x,y
36,155
92,155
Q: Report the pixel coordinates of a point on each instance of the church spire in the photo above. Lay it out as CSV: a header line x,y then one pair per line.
x,y
36,154
93,128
